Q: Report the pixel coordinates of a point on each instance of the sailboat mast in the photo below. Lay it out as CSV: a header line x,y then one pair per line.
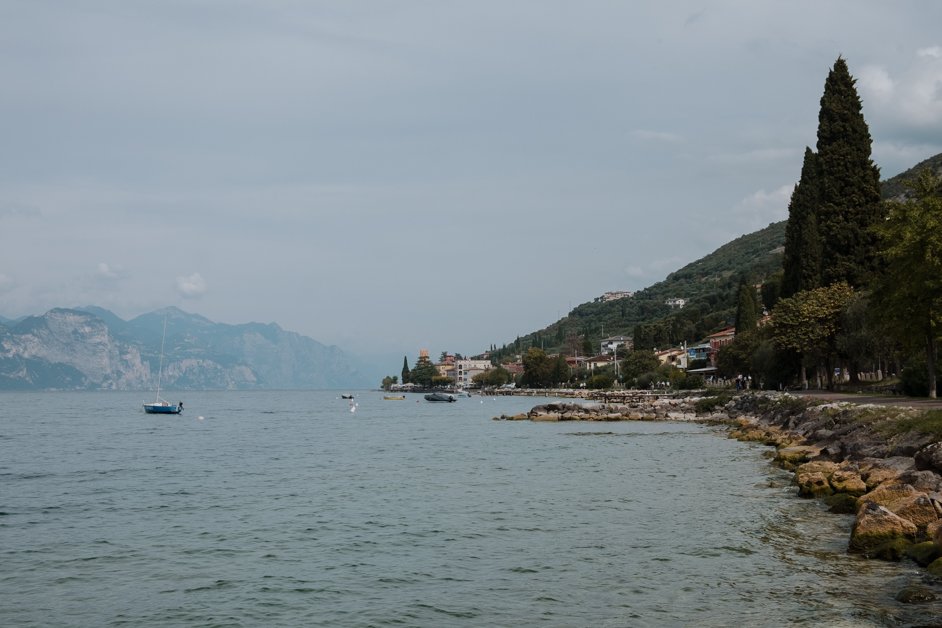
x,y
160,363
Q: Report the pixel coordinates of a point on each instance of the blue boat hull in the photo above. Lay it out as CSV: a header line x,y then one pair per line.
x,y
161,408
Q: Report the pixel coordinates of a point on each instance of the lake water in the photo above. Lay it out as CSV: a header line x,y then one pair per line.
x,y
288,509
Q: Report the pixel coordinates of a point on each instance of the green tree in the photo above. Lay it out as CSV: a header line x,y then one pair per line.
x,y
772,291
388,381
858,341
735,358
907,294
848,188
405,370
423,372
537,369
601,381
560,370
809,322
497,376
636,363
747,308
802,261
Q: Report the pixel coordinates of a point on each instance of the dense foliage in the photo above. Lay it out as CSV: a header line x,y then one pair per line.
x,y
854,284
802,259
424,372
908,292
849,183
710,286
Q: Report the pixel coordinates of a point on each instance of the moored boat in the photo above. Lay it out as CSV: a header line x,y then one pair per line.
x,y
163,407
394,397
159,406
438,396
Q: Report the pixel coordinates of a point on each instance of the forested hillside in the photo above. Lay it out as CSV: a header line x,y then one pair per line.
x,y
709,286
851,282
895,187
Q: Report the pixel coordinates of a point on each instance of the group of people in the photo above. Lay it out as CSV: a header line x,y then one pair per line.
x,y
743,382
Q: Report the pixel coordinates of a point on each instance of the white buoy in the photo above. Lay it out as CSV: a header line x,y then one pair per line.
x,y
199,418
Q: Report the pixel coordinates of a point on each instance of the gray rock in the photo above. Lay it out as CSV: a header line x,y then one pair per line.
x,y
929,458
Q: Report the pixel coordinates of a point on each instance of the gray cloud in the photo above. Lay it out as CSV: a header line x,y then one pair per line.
x,y
191,286
351,165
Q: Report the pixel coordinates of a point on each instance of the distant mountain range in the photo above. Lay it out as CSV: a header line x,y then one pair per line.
x,y
91,348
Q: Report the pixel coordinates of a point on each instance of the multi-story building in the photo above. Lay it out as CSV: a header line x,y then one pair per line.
x,y
465,370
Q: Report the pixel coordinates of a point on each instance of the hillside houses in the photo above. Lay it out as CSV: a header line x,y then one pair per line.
x,y
700,358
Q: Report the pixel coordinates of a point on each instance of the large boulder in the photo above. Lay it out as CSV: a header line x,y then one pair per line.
x,y
891,496
792,457
847,481
817,466
880,471
929,458
879,533
814,485
923,481
934,532
925,553
919,510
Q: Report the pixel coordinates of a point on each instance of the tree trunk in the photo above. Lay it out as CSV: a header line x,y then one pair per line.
x,y
931,355
804,376
854,369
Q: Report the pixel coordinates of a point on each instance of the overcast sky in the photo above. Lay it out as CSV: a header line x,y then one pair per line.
x,y
394,175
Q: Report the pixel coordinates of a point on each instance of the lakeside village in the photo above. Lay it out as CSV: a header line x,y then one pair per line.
x,y
859,277
616,366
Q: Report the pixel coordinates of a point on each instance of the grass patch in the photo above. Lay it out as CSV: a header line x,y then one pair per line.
x,y
928,422
784,404
717,399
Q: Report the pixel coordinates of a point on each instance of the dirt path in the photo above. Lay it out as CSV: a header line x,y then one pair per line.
x,y
887,400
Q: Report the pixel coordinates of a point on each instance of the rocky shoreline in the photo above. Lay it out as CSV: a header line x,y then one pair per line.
x,y
881,463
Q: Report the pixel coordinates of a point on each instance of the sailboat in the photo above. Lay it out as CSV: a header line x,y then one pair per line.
x,y
160,406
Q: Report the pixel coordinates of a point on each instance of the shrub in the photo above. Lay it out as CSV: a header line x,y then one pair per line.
x,y
604,380
914,379
929,423
714,401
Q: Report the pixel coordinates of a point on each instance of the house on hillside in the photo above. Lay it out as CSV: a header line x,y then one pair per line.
x,y
675,357
575,363
599,362
678,303
609,345
719,340
465,370
514,368
613,296
699,352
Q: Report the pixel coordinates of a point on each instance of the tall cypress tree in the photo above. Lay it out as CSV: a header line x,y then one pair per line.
x,y
747,308
802,261
405,370
848,183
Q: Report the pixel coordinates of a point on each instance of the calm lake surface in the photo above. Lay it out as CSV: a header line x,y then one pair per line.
x,y
288,509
